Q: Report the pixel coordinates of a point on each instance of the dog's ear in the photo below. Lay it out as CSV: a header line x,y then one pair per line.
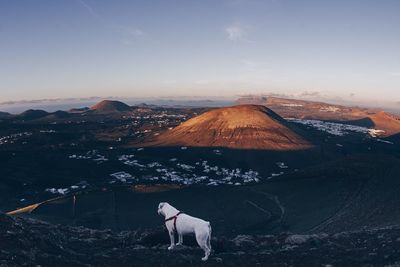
x,y
161,205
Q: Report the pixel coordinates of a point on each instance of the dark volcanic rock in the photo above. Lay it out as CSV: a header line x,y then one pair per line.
x,y
79,110
32,114
4,115
59,115
25,242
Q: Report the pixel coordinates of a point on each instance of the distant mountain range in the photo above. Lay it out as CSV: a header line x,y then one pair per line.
x,y
101,108
285,108
302,109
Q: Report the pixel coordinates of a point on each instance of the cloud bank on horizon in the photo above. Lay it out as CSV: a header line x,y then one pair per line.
x,y
344,49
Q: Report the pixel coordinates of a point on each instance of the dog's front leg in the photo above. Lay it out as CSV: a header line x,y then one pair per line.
x,y
180,240
172,237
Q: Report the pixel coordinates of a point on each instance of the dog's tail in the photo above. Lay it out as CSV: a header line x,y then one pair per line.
x,y
209,236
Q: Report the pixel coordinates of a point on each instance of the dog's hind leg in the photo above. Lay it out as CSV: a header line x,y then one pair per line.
x,y
180,240
172,237
202,241
209,237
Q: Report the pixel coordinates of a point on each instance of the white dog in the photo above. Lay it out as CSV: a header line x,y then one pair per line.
x,y
184,224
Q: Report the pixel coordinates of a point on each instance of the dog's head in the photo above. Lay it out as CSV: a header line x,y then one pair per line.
x,y
161,208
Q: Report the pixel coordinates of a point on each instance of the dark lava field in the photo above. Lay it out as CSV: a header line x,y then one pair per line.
x,y
81,188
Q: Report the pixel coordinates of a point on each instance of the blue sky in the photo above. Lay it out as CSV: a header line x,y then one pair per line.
x,y
78,48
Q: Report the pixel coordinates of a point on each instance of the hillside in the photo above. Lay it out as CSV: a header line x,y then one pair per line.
x,y
303,109
244,126
4,115
109,106
58,115
387,122
33,243
32,114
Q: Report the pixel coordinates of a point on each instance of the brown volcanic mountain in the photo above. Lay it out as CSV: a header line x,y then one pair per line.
x,y
387,122
243,126
109,106
304,109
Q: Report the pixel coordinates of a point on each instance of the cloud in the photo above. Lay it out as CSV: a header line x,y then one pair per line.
x,y
310,93
268,94
88,7
237,33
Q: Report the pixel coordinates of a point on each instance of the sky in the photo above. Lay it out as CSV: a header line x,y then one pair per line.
x,y
344,49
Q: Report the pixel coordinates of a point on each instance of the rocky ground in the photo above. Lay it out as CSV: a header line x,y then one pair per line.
x,y
25,242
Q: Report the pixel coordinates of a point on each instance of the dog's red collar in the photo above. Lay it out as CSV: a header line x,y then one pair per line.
x,y
174,218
